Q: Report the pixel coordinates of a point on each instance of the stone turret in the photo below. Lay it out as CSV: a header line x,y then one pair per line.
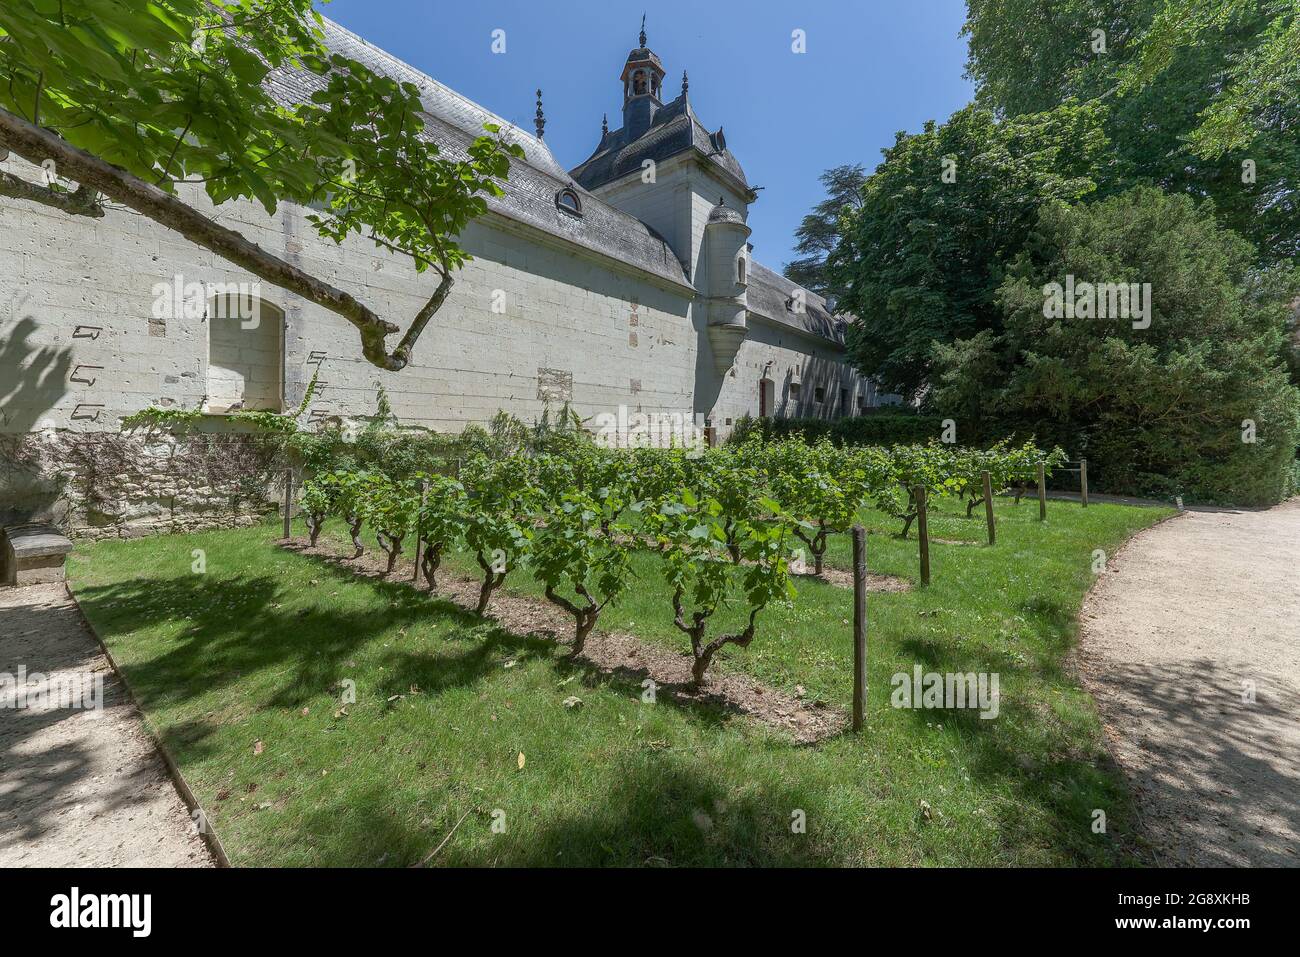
x,y
726,281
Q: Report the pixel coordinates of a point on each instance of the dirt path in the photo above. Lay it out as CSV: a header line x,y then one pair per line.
x,y
1193,616
78,788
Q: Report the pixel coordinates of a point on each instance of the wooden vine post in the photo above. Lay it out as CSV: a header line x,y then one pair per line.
x,y
1042,492
1083,481
419,541
923,533
288,503
859,626
988,506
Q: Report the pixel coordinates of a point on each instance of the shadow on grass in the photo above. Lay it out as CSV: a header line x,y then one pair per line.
x,y
655,811
710,703
664,813
1028,750
236,627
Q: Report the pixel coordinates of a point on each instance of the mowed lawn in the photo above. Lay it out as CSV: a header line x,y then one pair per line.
x,y
243,667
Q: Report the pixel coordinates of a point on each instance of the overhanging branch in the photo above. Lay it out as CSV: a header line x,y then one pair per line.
x,y
83,202
94,175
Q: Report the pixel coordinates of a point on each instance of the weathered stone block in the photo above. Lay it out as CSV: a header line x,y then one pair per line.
x,y
34,554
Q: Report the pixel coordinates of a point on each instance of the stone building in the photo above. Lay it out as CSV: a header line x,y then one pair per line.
x,y
626,282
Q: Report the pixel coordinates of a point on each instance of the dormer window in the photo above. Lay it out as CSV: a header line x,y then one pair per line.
x,y
568,201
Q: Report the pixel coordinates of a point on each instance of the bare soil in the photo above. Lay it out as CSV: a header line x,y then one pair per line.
x,y
80,788
1191,646
620,654
875,582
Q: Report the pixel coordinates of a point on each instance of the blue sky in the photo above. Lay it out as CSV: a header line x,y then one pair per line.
x,y
872,67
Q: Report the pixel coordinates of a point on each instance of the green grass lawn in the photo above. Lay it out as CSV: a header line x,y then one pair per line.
x,y
240,668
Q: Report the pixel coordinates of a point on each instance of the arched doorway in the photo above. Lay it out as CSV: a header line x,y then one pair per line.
x,y
245,368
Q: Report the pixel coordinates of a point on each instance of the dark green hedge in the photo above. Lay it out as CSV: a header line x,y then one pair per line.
x,y
879,428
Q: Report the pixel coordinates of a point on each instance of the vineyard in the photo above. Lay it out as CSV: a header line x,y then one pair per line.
x,y
327,712
734,525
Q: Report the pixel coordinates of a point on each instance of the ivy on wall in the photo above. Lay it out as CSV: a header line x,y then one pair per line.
x,y
182,419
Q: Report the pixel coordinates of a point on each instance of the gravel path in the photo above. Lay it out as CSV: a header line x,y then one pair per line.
x,y
1195,617
76,788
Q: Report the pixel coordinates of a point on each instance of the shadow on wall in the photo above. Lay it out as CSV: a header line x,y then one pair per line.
x,y
32,379
33,481
817,374
708,384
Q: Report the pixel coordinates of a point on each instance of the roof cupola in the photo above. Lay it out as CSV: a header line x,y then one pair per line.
x,y
643,77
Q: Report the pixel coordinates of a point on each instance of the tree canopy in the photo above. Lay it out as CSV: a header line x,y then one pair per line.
x,y
1202,96
819,232
130,100
1197,403
923,254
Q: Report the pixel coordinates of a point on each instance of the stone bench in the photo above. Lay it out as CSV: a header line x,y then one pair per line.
x,y
33,554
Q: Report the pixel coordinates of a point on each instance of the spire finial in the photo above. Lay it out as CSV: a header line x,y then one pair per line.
x,y
540,120
604,125
643,31
686,83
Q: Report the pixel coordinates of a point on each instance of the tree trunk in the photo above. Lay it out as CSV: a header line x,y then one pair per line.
x,y
314,524
818,547
586,622
394,552
700,665
429,563
354,525
491,582
485,594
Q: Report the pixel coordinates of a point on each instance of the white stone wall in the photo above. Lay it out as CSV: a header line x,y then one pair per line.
x,y
94,325
818,364
528,321
676,205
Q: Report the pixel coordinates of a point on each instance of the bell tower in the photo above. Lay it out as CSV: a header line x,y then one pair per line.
x,y
642,78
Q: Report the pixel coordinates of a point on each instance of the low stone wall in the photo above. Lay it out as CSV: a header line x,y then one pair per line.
x,y
107,485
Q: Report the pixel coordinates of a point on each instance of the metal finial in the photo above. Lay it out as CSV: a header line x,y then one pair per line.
x,y
643,30
540,121
604,125
686,83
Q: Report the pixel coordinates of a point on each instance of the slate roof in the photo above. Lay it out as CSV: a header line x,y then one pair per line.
x,y
768,294
723,213
674,129
453,122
